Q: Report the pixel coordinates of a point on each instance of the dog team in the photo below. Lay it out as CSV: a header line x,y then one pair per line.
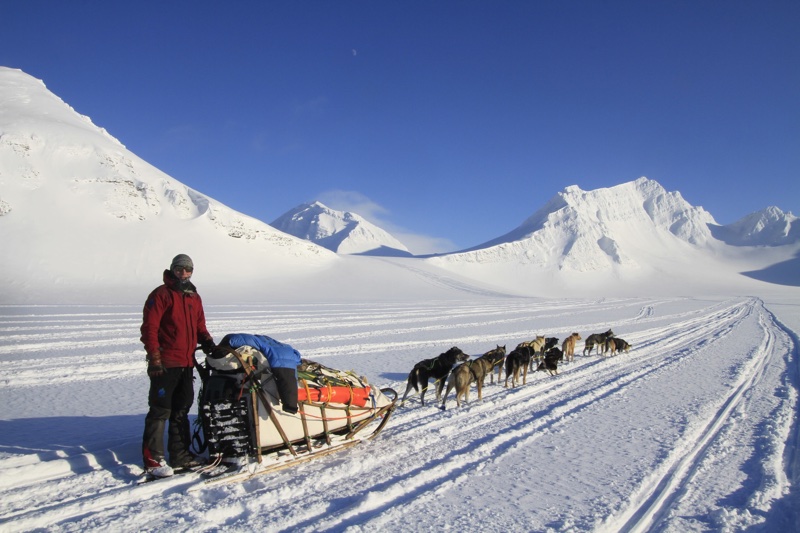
x,y
456,370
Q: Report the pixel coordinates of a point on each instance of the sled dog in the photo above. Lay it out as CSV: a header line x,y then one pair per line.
x,y
550,363
462,376
568,346
495,356
609,347
549,342
536,346
517,361
437,368
598,339
620,345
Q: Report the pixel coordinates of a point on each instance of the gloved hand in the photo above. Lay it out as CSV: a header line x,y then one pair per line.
x,y
154,365
208,346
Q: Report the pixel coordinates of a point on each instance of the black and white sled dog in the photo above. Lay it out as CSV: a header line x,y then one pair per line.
x,y
437,368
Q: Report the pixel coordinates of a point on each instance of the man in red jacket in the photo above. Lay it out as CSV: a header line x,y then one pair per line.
x,y
173,324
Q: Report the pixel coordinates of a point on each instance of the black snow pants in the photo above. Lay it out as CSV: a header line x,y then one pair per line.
x,y
171,396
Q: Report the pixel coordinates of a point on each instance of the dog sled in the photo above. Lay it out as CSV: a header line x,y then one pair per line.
x,y
265,418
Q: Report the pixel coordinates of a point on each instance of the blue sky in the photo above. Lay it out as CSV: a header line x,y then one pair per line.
x,y
446,122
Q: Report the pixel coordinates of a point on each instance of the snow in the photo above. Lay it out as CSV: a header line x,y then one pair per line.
x,y
769,227
694,429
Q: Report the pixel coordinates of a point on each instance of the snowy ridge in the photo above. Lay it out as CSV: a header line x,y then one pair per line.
x,y
632,236
83,219
72,197
593,230
769,227
339,231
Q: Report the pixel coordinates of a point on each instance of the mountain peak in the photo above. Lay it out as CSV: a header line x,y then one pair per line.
x,y
102,201
768,227
601,229
340,231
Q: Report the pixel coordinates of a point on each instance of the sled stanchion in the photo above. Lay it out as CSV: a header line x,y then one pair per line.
x,y
325,424
304,419
306,435
256,427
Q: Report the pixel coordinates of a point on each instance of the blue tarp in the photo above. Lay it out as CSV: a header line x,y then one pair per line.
x,y
278,354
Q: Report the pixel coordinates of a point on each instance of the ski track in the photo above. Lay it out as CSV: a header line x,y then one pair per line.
x,y
585,387
80,489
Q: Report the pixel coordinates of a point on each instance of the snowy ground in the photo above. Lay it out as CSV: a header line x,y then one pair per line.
x,y
693,430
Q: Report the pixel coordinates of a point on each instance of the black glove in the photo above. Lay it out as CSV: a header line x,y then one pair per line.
x,y
208,346
155,367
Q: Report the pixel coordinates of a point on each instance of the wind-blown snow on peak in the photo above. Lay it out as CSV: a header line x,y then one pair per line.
x,y
72,196
24,96
768,227
340,231
595,230
642,201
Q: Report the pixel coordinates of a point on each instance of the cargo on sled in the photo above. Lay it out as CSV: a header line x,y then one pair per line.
x,y
261,401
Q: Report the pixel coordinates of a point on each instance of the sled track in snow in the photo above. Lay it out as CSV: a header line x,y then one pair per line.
x,y
658,496
64,507
424,452
651,507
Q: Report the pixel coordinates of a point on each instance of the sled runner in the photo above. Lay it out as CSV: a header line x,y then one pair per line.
x,y
205,472
253,411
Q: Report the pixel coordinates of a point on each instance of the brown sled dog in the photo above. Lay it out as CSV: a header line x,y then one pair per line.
x,y
537,347
496,357
462,376
437,368
568,347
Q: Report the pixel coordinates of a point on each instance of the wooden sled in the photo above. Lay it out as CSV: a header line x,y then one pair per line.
x,y
334,410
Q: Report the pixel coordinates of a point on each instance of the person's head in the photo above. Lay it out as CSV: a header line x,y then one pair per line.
x,y
182,267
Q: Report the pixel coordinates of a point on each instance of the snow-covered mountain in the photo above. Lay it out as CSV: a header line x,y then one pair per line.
x,y
82,219
768,227
630,235
79,212
340,231
583,231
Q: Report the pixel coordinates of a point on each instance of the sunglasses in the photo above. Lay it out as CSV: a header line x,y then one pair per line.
x,y
182,268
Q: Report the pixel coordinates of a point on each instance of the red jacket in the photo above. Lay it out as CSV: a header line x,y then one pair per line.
x,y
174,323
